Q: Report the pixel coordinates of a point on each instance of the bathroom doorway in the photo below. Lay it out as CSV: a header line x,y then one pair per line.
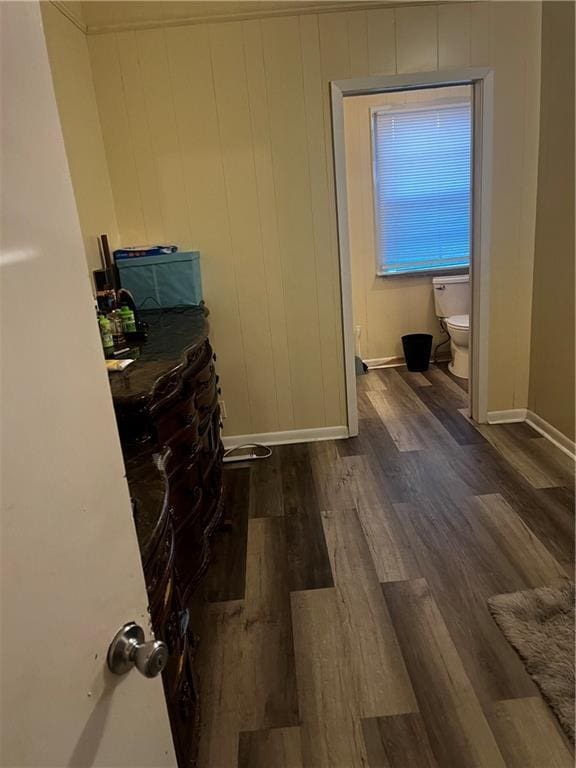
x,y
412,165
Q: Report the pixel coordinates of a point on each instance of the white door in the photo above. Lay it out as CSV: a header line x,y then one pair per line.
x,y
71,571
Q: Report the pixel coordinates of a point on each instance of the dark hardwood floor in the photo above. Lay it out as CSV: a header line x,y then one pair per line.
x,y
344,619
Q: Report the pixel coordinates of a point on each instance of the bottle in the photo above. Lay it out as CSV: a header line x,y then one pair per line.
x,y
105,333
116,328
128,319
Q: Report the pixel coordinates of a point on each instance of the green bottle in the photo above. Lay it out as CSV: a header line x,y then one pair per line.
x,y
128,319
105,333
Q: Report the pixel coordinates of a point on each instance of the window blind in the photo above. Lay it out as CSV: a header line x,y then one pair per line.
x,y
422,187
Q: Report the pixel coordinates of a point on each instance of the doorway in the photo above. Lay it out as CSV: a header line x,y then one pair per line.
x,y
395,93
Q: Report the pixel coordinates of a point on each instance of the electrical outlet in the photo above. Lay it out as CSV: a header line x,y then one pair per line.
x,y
223,412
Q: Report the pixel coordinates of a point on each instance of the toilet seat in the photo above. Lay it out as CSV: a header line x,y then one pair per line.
x,y
459,322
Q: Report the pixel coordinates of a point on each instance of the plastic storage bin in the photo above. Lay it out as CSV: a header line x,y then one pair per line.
x,y
417,349
171,280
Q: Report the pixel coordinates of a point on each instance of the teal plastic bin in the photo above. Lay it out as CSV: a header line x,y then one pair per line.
x,y
171,280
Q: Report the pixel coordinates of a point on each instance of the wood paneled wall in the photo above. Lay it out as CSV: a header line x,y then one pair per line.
x,y
552,354
218,137
74,89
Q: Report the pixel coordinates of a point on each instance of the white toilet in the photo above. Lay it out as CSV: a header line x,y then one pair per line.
x,y
452,302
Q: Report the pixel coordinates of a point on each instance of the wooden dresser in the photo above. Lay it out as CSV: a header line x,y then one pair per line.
x,y
168,416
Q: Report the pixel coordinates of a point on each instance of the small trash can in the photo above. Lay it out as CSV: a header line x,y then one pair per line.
x,y
417,350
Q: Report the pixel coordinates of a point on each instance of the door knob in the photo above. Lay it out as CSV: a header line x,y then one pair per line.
x,y
128,649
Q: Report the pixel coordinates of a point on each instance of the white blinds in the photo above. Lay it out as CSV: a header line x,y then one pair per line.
x,y
422,187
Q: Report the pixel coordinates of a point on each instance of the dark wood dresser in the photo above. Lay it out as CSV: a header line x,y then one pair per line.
x,y
168,416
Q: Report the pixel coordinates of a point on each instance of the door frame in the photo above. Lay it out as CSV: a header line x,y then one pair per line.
x,y
482,81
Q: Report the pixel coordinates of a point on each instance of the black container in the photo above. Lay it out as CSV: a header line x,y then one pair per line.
x,y
417,350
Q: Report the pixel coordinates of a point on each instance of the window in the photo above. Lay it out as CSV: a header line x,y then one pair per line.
x,y
422,181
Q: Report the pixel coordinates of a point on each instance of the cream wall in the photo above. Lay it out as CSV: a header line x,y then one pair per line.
x,y
217,135
384,308
72,76
552,361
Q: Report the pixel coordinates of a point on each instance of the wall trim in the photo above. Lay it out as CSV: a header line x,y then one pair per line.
x,y
395,362
288,437
510,416
482,80
65,10
552,434
212,18
384,362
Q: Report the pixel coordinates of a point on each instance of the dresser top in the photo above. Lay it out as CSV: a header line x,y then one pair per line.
x,y
171,334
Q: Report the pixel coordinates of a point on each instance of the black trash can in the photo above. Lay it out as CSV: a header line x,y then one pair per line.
x,y
417,350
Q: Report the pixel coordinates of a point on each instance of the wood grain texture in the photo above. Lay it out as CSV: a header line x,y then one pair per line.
x,y
537,460
529,736
268,658
331,476
440,401
548,516
440,375
416,379
398,741
559,504
464,566
522,548
370,382
308,563
411,424
266,498
274,748
380,683
388,544
221,684
458,730
226,578
331,727
364,622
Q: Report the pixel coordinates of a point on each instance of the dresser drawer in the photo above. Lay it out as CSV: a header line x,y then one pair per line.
x,y
186,715
174,415
185,495
184,448
159,575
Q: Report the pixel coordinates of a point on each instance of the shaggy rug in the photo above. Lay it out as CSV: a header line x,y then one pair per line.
x,y
539,624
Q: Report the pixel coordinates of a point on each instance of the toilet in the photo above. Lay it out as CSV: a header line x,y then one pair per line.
x,y
452,303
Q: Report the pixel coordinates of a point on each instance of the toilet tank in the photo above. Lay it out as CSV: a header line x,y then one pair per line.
x,y
451,295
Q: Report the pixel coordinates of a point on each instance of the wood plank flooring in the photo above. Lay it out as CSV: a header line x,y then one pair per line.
x,y
343,620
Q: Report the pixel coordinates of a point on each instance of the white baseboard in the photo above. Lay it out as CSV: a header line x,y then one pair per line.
x,y
384,362
536,422
394,362
507,417
287,437
551,433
